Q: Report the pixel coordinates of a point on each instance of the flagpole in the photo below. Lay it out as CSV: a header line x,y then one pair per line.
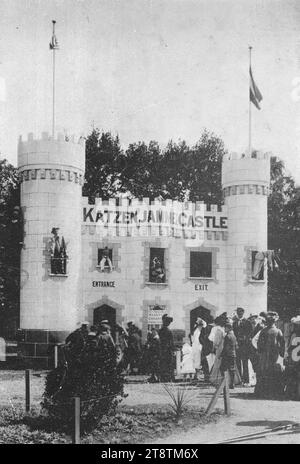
x,y
53,85
250,115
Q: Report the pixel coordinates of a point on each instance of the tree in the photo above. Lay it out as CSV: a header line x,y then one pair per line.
x,y
10,233
283,235
178,172
142,174
103,164
205,169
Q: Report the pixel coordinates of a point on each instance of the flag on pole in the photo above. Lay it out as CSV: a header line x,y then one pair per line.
x,y
54,43
255,95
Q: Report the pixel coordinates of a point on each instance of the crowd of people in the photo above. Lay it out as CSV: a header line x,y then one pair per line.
x,y
155,357
252,350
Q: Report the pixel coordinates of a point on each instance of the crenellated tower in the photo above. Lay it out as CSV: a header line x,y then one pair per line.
x,y
51,173
245,182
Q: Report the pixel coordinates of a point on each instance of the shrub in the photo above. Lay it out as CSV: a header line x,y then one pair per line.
x,y
97,380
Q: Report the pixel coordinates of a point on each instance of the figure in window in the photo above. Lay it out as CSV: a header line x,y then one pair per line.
x,y
157,270
259,259
105,261
58,252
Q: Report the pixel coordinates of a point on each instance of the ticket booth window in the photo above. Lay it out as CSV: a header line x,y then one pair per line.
x,y
157,273
201,264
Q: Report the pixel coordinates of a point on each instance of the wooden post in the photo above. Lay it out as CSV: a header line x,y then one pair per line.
x,y
76,437
27,390
55,356
215,398
224,385
226,395
178,362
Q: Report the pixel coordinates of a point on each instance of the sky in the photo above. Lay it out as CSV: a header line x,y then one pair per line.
x,y
153,70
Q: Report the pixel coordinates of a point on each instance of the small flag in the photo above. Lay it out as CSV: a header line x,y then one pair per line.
x,y
54,43
255,95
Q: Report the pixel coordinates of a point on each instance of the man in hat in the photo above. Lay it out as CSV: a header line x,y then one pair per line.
x,y
134,349
242,332
76,340
256,327
106,353
270,346
166,350
57,247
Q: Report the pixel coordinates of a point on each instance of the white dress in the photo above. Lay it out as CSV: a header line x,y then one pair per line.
x,y
187,365
217,336
197,348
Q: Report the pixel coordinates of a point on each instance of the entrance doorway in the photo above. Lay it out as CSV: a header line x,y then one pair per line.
x,y
105,312
200,311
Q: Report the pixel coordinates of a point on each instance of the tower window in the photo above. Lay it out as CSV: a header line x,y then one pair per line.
x,y
201,264
58,253
157,272
257,265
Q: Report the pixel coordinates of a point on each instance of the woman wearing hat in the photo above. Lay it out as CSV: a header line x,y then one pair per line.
x,y
217,336
292,362
270,346
166,350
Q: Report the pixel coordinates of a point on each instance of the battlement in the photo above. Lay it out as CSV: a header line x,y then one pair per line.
x,y
243,170
60,138
255,155
122,203
48,152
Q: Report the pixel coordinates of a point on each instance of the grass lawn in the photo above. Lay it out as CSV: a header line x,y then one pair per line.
x,y
143,416
134,424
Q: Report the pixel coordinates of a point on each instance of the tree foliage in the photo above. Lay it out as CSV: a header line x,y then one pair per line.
x,y
179,172
103,165
284,235
9,248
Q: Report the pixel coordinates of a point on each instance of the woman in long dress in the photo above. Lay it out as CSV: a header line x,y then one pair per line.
x,y
217,336
270,347
196,345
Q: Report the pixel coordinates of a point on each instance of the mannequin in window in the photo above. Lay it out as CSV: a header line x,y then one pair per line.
x,y
105,261
58,251
157,271
260,258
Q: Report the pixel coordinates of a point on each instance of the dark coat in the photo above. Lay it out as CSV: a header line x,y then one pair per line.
x,y
77,340
166,354
228,355
242,330
230,345
154,355
207,345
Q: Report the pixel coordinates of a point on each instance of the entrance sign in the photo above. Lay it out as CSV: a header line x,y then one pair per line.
x,y
103,283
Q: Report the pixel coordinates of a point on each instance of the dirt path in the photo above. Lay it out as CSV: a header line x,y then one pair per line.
x,y
248,416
